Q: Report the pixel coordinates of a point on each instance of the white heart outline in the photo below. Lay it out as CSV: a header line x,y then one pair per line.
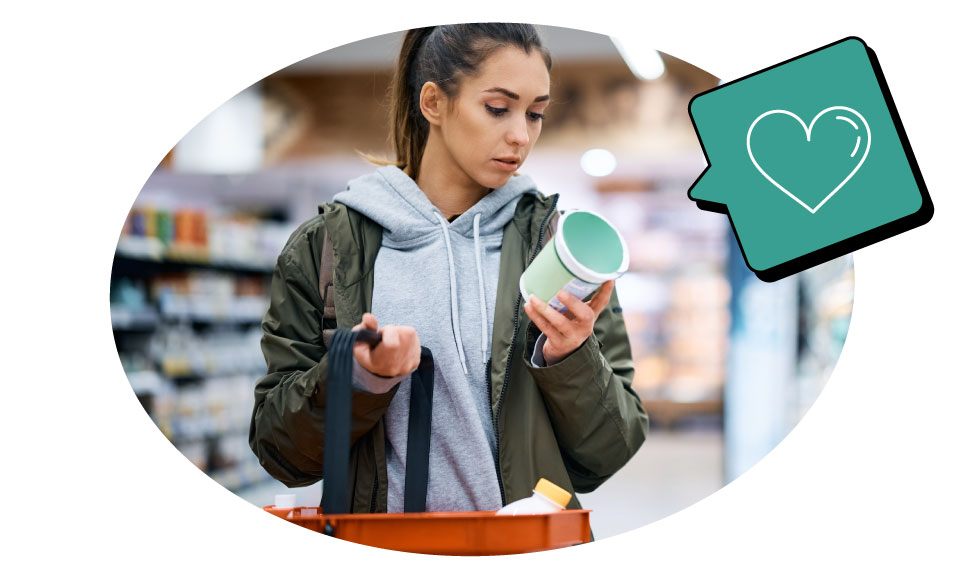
x,y
807,132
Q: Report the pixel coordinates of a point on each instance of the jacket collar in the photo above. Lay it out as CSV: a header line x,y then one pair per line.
x,y
532,210
348,227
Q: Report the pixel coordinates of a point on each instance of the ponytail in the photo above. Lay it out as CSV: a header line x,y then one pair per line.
x,y
410,130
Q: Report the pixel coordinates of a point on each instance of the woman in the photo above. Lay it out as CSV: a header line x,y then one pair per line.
x,y
431,247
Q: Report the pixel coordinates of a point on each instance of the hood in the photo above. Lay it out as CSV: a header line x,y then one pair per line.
x,y
393,200
410,221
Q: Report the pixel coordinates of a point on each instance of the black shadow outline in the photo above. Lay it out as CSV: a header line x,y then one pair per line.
x,y
855,242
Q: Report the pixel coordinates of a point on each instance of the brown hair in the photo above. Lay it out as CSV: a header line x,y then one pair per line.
x,y
444,55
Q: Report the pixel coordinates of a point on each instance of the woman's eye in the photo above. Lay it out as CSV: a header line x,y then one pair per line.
x,y
533,116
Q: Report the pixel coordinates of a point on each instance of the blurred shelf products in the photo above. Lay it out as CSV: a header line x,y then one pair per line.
x,y
201,236
188,294
675,295
785,340
826,301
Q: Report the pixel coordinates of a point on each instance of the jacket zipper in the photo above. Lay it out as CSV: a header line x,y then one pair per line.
x,y
509,357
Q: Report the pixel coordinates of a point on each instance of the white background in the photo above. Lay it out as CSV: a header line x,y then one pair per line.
x,y
867,490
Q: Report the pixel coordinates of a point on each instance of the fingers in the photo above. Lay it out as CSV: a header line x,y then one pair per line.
x,y
602,297
578,318
362,350
368,322
409,341
390,337
580,310
399,352
550,322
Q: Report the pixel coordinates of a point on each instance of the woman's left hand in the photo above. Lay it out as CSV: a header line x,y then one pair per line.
x,y
565,332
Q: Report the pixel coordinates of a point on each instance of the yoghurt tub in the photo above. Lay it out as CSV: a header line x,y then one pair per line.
x,y
585,251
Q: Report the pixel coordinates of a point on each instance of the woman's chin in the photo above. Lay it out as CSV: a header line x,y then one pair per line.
x,y
497,180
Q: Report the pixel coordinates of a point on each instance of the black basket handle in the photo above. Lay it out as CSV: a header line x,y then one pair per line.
x,y
338,418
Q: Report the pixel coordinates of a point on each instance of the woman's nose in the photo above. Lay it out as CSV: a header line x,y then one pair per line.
x,y
518,134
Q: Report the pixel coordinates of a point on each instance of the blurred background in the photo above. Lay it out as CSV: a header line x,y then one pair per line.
x,y
726,364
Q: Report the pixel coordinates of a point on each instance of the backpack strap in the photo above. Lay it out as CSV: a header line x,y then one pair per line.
x,y
326,288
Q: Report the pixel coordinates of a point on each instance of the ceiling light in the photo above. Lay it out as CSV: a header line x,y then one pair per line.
x,y
598,162
643,61
229,140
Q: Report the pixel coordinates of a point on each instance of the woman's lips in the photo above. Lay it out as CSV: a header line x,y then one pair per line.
x,y
506,165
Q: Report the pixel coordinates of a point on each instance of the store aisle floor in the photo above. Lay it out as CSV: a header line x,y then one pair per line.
x,y
672,470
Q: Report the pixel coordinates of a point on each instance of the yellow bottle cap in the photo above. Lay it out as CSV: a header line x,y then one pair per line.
x,y
553,492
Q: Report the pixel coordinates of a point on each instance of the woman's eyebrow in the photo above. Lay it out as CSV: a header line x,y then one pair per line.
x,y
515,96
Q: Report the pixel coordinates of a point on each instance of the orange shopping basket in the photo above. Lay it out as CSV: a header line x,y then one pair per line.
x,y
417,531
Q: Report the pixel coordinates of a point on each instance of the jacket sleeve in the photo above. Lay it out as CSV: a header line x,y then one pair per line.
x,y
597,417
287,430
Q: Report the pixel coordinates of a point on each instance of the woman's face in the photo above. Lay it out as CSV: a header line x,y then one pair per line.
x,y
497,116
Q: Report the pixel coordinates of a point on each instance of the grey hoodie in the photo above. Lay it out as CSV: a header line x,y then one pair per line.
x,y
439,278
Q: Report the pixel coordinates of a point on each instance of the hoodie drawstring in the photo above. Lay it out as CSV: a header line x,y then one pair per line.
x,y
484,327
453,293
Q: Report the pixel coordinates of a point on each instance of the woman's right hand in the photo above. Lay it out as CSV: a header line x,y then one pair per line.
x,y
398,353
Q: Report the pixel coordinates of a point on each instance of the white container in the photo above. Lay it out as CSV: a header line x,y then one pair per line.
x,y
586,251
547,498
284,501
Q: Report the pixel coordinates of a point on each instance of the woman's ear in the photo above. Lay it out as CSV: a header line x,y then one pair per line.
x,y
432,102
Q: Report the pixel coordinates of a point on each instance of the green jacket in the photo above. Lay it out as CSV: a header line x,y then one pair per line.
x,y
575,423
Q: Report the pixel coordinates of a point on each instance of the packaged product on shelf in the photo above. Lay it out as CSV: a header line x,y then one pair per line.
x,y
136,223
164,227
204,236
189,335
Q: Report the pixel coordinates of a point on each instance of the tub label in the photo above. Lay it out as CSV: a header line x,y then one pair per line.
x,y
576,287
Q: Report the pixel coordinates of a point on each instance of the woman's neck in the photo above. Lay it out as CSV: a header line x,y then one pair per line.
x,y
445,184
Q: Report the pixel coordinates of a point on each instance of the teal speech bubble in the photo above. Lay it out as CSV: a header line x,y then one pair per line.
x,y
808,159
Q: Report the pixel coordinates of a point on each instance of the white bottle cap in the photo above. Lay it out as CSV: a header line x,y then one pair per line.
x,y
284,501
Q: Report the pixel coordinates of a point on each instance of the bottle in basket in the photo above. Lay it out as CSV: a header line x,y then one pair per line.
x,y
547,498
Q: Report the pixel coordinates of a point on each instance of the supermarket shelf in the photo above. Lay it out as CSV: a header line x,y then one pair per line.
x,y
146,382
188,377
149,381
202,436
136,264
145,323
125,319
189,289
148,319
211,320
